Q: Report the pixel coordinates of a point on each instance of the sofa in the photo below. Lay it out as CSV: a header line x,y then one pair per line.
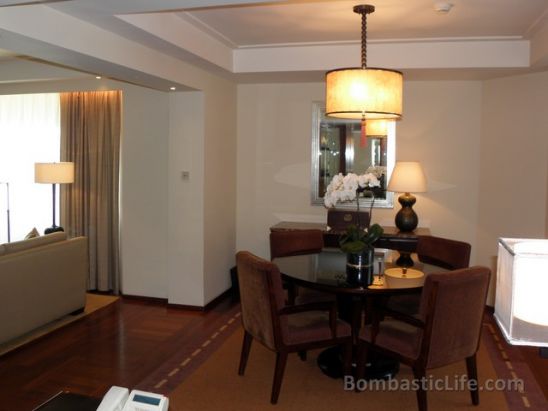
x,y
41,279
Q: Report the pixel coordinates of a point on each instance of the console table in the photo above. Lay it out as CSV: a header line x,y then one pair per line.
x,y
392,238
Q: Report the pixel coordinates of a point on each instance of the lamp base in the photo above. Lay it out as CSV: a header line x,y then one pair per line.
x,y
53,229
406,218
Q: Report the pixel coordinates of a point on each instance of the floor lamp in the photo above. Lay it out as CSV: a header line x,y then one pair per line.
x,y
8,208
53,173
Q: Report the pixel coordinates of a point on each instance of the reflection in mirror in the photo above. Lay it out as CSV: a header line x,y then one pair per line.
x,y
337,148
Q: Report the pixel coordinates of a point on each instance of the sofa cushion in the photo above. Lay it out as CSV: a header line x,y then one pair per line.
x,y
23,245
32,234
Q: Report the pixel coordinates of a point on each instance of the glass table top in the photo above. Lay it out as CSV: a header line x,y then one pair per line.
x,y
327,271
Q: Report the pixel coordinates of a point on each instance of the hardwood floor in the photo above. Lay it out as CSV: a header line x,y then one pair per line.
x,y
124,344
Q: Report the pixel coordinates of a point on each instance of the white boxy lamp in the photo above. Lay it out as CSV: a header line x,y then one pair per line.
x,y
521,306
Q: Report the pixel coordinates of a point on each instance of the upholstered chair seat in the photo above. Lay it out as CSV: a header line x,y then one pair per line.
x,y
311,326
396,336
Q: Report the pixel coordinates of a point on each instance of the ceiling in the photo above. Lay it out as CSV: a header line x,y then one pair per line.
x,y
334,21
295,40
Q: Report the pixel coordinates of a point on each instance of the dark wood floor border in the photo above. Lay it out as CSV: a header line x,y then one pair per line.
x,y
509,364
170,374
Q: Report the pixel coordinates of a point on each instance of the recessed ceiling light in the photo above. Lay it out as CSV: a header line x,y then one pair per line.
x,y
443,7
173,88
98,77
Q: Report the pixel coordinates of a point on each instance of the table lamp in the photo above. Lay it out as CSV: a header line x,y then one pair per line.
x,y
407,177
53,173
521,307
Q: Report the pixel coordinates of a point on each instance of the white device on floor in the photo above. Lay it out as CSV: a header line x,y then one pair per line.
x,y
120,399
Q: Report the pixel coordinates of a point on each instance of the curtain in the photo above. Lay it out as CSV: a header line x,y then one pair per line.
x,y
90,137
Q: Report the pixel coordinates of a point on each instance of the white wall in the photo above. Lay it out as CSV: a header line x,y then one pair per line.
x,y
202,210
219,222
514,166
185,204
144,192
441,128
274,142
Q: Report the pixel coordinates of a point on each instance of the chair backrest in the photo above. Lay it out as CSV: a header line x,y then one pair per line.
x,y
452,305
339,220
294,242
261,297
442,252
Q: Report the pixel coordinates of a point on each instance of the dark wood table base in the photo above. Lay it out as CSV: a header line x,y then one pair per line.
x,y
330,362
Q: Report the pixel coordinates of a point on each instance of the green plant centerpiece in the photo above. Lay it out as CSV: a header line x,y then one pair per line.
x,y
357,243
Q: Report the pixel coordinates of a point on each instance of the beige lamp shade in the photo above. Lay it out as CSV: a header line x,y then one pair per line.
x,y
377,128
54,173
371,93
407,177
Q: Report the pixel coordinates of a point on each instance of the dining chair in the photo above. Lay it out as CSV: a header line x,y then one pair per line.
x,y
441,252
295,242
283,328
447,329
298,242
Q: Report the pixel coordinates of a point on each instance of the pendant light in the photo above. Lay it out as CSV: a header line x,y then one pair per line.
x,y
364,93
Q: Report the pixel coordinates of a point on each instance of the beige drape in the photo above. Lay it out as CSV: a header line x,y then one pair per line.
x,y
90,137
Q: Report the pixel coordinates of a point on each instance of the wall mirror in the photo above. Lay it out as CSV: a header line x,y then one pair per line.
x,y
336,149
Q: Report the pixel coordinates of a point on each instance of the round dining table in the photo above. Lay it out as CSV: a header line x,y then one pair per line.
x,y
326,271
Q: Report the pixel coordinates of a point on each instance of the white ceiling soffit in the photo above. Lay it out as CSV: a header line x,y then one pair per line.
x,y
145,41
322,35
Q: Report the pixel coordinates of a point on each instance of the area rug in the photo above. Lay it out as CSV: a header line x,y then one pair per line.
x,y
215,385
94,302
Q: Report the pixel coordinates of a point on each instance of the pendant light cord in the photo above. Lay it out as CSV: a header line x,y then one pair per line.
x,y
364,40
364,10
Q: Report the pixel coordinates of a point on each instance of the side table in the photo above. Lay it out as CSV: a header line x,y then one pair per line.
x,y
70,401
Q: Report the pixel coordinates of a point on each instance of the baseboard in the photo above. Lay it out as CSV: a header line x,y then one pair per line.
x,y
207,307
164,301
156,300
110,292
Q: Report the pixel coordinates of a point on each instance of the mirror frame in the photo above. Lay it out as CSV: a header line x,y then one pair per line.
x,y
318,110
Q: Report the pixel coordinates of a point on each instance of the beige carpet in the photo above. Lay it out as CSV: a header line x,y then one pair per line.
x,y
216,385
94,302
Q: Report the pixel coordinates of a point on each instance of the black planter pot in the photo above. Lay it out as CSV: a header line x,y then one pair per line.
x,y
359,267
